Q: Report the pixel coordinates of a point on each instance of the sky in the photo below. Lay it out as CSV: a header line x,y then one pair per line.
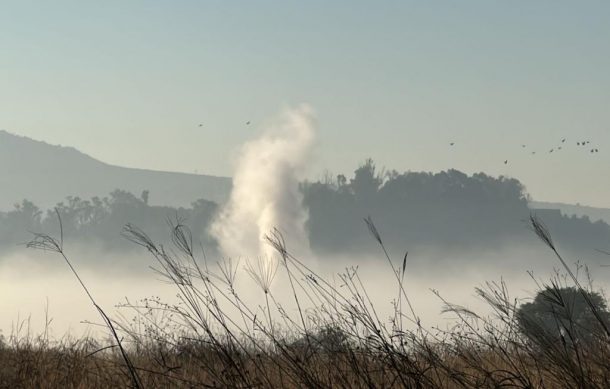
x,y
129,82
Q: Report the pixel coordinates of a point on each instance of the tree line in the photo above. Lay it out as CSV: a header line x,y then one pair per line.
x,y
100,221
447,209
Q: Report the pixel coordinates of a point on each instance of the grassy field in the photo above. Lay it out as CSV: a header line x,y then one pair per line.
x,y
335,338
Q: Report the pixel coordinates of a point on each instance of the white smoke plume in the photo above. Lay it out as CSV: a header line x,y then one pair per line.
x,y
265,191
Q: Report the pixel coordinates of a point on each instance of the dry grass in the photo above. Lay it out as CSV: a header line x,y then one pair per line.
x,y
338,341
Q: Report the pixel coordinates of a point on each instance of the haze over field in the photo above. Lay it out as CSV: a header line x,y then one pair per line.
x,y
450,222
448,125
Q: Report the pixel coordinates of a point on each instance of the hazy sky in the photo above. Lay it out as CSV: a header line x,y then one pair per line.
x,y
128,82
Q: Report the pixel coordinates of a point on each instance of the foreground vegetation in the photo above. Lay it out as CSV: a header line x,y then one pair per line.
x,y
335,338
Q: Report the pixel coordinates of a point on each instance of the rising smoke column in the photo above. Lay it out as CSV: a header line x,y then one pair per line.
x,y
265,192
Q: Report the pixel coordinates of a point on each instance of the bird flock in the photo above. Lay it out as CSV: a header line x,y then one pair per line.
x,y
584,145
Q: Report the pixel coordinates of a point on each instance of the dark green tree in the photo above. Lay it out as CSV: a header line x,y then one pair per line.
x,y
563,313
366,181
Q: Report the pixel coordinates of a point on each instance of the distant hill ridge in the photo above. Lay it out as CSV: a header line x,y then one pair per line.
x,y
593,213
46,174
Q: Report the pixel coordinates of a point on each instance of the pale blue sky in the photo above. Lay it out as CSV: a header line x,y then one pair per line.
x,y
128,82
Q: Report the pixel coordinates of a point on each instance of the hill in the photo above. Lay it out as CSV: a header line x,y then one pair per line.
x,y
46,174
592,213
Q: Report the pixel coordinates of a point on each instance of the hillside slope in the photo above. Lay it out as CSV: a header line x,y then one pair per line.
x,y
46,174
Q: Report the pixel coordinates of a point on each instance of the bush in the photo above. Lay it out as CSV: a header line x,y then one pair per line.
x,y
563,313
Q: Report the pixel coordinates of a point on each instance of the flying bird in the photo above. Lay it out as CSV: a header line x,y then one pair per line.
x,y
551,150
505,161
563,140
451,144
247,123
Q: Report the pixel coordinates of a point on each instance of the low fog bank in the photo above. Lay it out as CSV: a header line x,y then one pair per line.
x,y
29,279
34,282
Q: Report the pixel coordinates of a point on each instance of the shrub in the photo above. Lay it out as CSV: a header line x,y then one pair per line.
x,y
562,313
